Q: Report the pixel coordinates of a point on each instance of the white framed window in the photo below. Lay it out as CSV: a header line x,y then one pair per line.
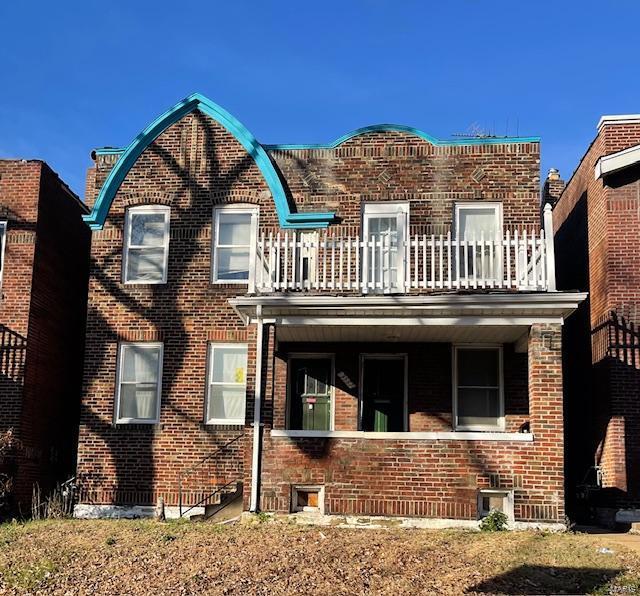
x,y
139,384
226,384
384,232
3,242
490,499
234,237
478,388
310,392
477,222
146,245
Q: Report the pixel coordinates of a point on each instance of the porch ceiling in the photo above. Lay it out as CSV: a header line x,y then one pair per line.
x,y
403,333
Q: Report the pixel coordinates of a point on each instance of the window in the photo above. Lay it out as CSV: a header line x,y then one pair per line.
x,y
226,391
234,238
309,499
478,388
139,382
146,245
310,393
3,242
476,222
500,500
384,229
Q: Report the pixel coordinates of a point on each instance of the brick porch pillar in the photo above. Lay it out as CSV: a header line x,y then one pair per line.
x,y
546,470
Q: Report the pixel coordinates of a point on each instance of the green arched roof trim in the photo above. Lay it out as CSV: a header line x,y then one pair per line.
x,y
128,157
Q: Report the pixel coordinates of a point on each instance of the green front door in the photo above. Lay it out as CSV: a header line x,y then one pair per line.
x,y
383,393
310,394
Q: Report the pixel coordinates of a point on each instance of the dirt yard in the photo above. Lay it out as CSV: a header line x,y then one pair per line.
x,y
143,557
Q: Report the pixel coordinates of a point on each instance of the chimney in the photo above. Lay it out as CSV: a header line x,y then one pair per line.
x,y
553,187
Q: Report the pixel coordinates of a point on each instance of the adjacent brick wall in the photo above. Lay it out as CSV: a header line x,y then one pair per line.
x,y
43,309
596,223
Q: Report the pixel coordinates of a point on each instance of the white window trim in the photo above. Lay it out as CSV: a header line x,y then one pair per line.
x,y
454,389
120,361
495,205
126,245
223,421
385,356
332,381
401,210
253,246
3,244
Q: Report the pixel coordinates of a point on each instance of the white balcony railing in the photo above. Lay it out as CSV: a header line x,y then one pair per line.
x,y
294,261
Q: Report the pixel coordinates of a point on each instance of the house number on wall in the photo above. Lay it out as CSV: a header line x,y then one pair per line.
x,y
346,380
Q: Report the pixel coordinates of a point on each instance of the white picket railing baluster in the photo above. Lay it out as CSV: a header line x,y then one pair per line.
x,y
519,259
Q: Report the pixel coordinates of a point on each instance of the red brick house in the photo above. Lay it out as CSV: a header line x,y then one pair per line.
x,y
596,221
44,267
367,327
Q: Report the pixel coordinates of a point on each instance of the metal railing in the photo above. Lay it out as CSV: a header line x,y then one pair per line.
x,y
210,490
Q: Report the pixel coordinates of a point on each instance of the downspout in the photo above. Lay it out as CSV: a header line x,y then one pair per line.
x,y
257,407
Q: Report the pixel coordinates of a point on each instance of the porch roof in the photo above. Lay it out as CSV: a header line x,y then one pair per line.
x,y
489,309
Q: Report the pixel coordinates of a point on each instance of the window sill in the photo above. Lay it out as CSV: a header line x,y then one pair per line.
x,y
410,436
210,426
133,424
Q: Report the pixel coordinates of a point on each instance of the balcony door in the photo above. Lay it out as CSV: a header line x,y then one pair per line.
x,y
384,232
383,392
479,225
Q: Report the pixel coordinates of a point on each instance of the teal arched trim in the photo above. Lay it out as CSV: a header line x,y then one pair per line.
x,y
412,131
128,157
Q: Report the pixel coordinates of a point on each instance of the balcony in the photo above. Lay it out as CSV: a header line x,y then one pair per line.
x,y
317,262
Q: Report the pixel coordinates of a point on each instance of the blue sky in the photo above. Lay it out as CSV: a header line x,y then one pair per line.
x,y
79,75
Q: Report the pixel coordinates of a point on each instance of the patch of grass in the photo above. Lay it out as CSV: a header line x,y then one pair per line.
x,y
28,576
168,537
263,517
110,541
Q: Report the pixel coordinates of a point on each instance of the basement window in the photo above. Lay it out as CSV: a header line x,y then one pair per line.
x,y
500,500
308,499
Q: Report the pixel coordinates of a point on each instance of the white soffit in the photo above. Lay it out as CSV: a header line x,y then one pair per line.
x,y
403,333
608,164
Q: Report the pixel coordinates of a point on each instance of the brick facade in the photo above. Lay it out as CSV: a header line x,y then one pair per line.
x,y
196,164
43,310
596,222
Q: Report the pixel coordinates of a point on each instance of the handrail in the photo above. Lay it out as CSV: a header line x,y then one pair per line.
x,y
197,465
208,497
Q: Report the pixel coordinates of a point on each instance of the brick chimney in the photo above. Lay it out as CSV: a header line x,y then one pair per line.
x,y
553,187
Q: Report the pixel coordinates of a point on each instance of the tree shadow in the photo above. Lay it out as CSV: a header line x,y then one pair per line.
x,y
133,448
543,579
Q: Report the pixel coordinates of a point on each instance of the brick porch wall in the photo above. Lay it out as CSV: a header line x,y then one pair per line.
x,y
433,478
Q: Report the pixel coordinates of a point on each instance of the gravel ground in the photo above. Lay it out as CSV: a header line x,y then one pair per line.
x,y
144,557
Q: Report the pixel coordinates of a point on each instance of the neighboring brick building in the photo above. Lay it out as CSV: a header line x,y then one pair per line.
x,y
596,221
366,327
44,274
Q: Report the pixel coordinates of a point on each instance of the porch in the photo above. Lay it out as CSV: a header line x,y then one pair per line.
x,y
413,405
